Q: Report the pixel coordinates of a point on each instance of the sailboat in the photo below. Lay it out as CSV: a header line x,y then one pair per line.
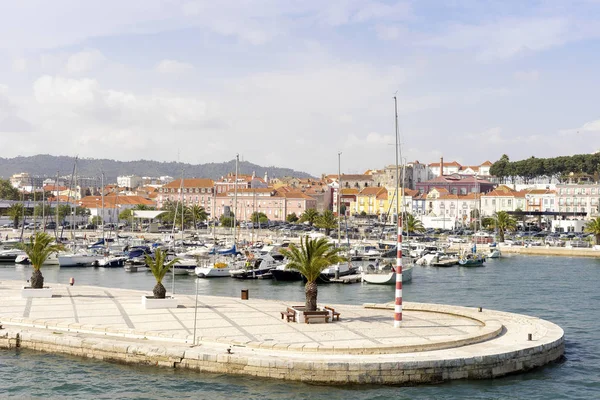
x,y
222,267
384,273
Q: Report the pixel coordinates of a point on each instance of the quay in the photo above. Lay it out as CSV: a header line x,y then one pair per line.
x,y
233,336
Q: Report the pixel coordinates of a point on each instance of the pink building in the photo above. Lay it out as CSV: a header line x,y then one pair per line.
x,y
195,192
276,205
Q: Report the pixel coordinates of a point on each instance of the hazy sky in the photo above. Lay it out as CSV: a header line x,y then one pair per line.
x,y
292,83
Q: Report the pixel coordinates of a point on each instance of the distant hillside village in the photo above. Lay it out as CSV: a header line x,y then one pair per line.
x,y
442,195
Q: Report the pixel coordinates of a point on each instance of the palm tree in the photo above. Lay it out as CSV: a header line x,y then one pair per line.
x,y
593,227
159,268
412,224
504,222
38,250
197,213
310,259
310,215
327,221
15,211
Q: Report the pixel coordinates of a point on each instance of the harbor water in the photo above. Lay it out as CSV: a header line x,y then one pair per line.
x,y
562,290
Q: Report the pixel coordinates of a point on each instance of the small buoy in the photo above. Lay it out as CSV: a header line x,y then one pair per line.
x,y
71,281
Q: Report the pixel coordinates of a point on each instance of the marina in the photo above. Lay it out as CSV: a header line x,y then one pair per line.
x,y
425,280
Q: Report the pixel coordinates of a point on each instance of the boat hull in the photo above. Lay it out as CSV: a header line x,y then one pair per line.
x,y
211,272
286,275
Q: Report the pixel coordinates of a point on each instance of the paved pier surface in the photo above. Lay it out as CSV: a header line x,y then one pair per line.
x,y
435,343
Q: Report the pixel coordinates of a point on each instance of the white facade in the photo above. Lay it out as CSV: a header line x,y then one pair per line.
x,y
130,181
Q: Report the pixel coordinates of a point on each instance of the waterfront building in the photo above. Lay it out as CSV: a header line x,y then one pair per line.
x,y
449,168
192,191
228,182
113,205
540,200
371,201
503,198
457,184
275,204
584,197
452,207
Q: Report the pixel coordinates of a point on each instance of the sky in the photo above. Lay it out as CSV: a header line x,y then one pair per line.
x,y
294,83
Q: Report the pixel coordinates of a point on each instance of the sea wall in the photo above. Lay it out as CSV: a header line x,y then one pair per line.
x,y
423,367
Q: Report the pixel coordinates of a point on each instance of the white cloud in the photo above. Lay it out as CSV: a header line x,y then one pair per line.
x,y
84,61
173,67
591,126
505,38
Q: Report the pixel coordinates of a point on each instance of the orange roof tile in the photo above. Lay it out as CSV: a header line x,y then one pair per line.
x,y
190,183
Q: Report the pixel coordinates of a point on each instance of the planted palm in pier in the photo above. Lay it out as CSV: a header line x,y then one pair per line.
x,y
38,249
504,222
593,227
159,267
310,259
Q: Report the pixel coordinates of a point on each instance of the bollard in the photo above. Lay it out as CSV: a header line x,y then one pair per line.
x,y
529,337
71,281
244,294
480,309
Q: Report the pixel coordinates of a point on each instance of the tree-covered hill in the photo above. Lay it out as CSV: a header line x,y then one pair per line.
x,y
47,165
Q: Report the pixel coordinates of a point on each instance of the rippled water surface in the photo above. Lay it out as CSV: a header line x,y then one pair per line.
x,y
562,290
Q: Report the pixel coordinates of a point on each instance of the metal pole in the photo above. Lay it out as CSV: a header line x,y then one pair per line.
x,y
195,311
398,302
339,199
237,160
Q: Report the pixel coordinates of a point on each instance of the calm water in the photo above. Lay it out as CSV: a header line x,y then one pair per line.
x,y
562,290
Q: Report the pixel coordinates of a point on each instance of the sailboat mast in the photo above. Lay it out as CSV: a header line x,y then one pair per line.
x,y
102,193
237,160
398,302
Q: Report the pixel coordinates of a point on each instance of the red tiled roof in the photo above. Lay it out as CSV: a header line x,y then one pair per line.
x,y
190,183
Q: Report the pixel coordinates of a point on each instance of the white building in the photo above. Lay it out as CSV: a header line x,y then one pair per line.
x,y
129,181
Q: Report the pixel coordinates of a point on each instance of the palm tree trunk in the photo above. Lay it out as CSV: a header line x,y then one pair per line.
x,y
159,291
597,239
310,290
37,280
501,232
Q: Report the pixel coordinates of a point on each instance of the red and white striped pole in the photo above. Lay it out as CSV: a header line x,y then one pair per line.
x,y
398,304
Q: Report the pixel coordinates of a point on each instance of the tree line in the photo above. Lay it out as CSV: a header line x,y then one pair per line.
x,y
559,168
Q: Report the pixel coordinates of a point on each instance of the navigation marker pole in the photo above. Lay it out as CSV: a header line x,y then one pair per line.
x,y
398,303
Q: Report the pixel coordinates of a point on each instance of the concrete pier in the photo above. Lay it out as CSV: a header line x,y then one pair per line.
x,y
435,343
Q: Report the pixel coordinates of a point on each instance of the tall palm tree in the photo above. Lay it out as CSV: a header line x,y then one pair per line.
x,y
310,215
15,211
159,267
38,250
412,224
504,222
327,221
310,259
593,227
